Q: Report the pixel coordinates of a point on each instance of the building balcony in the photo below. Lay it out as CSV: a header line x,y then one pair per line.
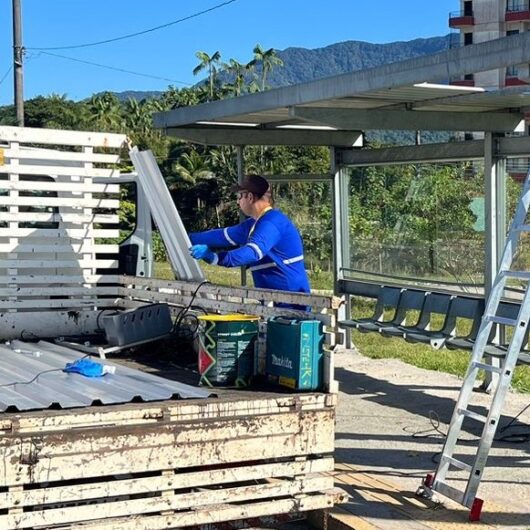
x,y
458,19
514,81
512,78
517,11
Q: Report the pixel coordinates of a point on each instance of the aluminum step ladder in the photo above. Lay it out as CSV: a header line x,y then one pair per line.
x,y
437,482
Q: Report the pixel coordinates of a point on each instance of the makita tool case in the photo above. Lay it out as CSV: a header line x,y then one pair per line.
x,y
295,352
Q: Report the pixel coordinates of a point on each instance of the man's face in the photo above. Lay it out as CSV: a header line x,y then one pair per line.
x,y
245,200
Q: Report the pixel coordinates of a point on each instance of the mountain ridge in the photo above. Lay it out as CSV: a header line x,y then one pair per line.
x,y
304,64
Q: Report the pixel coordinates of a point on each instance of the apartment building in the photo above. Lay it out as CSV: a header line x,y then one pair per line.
x,y
482,20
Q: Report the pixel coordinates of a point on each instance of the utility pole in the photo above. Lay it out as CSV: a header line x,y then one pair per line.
x,y
18,53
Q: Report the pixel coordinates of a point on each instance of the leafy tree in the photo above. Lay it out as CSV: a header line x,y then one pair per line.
x,y
138,124
138,115
174,98
193,167
105,112
53,112
8,115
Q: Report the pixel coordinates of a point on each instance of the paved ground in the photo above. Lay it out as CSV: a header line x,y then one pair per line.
x,y
386,443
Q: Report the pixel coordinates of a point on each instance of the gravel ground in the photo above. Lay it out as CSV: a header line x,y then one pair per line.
x,y
386,421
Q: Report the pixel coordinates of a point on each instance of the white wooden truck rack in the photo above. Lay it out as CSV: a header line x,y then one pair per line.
x,y
163,464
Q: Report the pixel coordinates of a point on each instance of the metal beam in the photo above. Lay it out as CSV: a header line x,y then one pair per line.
x,y
341,232
453,63
409,119
240,152
512,147
253,136
446,152
296,177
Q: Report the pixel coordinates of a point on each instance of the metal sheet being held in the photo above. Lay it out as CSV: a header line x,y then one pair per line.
x,y
32,378
166,216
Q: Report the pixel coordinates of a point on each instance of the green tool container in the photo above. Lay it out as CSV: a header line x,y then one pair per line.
x,y
295,353
227,349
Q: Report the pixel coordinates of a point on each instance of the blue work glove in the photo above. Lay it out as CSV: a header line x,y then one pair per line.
x,y
203,252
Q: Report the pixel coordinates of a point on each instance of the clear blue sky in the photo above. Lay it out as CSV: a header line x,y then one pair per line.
x,y
170,52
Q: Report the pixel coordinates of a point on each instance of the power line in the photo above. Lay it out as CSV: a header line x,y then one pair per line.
x,y
4,77
115,68
130,35
6,74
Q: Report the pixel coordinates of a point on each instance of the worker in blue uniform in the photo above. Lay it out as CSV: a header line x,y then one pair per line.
x,y
267,242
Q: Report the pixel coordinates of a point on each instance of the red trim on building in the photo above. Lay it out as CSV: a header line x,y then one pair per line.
x,y
456,22
463,82
516,16
518,177
514,81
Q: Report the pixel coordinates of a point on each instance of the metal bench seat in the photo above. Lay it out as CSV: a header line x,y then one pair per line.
x,y
505,310
388,299
500,351
429,305
459,308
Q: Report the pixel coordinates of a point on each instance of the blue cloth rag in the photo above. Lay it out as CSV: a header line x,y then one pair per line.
x,y
85,367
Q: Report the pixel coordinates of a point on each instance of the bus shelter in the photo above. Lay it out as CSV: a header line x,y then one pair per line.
x,y
410,95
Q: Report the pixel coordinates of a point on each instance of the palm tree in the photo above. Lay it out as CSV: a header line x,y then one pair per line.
x,y
267,59
138,116
192,167
174,98
238,71
105,112
209,63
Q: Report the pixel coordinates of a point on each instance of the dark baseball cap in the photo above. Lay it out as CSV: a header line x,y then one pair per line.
x,y
256,184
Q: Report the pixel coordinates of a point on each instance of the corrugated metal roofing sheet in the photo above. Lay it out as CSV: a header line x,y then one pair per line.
x,y
419,95
31,378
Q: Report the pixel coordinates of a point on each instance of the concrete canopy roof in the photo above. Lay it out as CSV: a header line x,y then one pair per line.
x,y
333,111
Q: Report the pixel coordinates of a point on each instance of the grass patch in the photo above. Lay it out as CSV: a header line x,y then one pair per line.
x,y
320,280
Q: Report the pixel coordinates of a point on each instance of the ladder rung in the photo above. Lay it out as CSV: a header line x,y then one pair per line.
x,y
457,463
487,367
521,275
472,415
502,320
448,491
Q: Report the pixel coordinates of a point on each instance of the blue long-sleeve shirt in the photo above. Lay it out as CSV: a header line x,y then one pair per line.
x,y
271,247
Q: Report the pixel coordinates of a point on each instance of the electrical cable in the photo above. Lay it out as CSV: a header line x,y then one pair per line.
x,y
31,380
98,327
33,336
115,68
6,74
516,437
428,433
188,333
514,419
130,35
37,376
434,419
